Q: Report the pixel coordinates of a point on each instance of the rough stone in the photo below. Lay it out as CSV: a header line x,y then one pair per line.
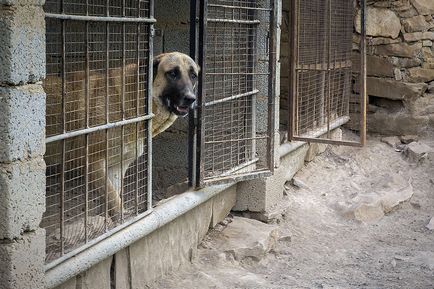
x,y
382,41
22,261
371,206
70,284
399,49
424,7
430,225
22,27
392,89
409,138
406,62
431,87
422,106
247,238
223,204
314,150
379,22
417,152
384,122
392,141
22,201
427,43
415,24
22,125
417,74
22,2
418,36
398,74
376,66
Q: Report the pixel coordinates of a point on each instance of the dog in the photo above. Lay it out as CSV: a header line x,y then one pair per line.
x,y
173,94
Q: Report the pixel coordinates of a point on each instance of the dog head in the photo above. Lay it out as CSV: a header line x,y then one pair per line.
x,y
175,78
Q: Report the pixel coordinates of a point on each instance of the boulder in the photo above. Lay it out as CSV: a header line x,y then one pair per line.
x,y
392,89
392,141
409,138
384,122
380,22
418,74
375,65
417,152
415,24
424,7
399,49
406,62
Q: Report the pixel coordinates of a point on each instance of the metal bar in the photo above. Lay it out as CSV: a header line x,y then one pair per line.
x,y
238,177
192,137
217,20
236,140
203,24
62,174
240,167
292,88
99,18
137,113
97,128
86,173
328,96
363,93
107,113
231,98
238,7
328,141
236,73
150,95
272,63
121,176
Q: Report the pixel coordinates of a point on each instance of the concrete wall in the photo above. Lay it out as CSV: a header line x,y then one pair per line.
x,y
400,66
22,144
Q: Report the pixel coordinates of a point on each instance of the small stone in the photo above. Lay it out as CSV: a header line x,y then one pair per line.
x,y
397,73
393,263
424,7
392,141
415,24
430,225
300,184
427,43
431,87
417,152
417,74
406,139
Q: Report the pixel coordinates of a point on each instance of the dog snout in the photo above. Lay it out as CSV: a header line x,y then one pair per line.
x,y
189,98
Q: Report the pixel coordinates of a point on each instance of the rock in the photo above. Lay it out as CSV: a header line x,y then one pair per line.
x,y
247,238
375,65
424,7
427,43
398,74
399,49
431,87
418,36
300,184
422,106
392,89
415,24
406,139
417,152
406,62
393,263
379,22
430,225
417,74
314,150
392,141
384,122
382,41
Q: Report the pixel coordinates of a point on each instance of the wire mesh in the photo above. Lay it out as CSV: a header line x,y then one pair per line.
x,y
97,121
322,65
233,142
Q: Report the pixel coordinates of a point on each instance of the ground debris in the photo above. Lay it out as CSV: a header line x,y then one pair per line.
x,y
417,152
406,139
392,141
430,225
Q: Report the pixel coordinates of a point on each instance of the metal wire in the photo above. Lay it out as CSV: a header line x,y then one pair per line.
x,y
97,119
230,102
322,66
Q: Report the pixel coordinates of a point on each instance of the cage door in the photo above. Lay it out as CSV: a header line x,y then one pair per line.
x,y
232,125
327,88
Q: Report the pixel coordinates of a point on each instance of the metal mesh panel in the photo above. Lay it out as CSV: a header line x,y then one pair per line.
x,y
234,130
322,67
97,119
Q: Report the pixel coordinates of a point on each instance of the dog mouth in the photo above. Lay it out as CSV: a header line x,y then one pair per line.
x,y
182,109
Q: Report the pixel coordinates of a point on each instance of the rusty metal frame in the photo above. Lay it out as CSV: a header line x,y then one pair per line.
x,y
63,136
293,99
198,42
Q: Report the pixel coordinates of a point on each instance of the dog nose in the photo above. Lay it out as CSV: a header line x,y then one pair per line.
x,y
189,98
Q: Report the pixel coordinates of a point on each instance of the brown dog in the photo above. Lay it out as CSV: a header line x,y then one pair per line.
x,y
174,79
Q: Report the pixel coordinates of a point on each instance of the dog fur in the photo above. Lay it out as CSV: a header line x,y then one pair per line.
x,y
174,80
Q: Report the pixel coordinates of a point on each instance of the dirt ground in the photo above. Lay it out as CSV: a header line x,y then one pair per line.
x,y
344,228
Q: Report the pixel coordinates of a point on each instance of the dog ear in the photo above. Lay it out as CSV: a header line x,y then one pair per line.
x,y
155,65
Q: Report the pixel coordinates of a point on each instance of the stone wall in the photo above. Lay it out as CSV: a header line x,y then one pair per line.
x,y
400,65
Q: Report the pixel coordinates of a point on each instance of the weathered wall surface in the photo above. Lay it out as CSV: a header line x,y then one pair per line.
x,y
22,144
400,65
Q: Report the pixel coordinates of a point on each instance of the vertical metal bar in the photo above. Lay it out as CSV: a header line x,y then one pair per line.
x,y
62,173
86,173
203,11
328,12
150,80
137,113
272,61
192,114
292,95
107,112
363,95
121,176
252,48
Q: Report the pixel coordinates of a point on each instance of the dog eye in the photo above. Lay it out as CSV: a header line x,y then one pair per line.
x,y
193,76
173,74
